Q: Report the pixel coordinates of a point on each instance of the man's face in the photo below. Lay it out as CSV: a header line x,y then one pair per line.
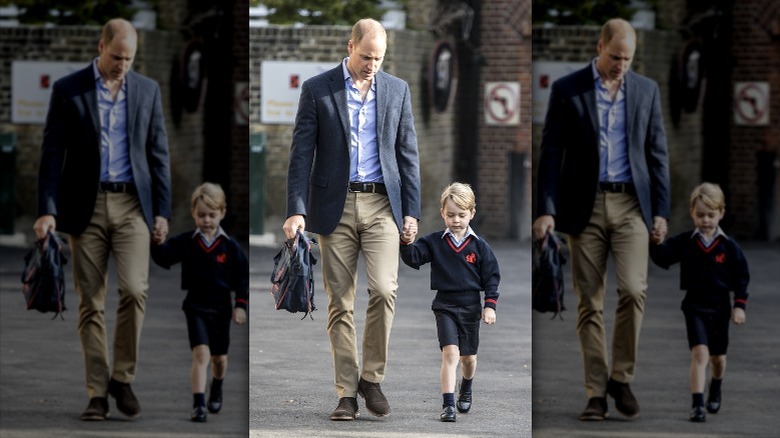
x,y
615,57
365,58
116,57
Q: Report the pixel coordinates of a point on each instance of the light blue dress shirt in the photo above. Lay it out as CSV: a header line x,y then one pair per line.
x,y
364,162
114,151
613,147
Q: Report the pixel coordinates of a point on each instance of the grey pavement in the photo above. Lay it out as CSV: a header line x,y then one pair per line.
x,y
751,388
42,389
291,372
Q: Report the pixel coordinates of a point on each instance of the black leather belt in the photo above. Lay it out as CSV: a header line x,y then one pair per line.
x,y
117,187
367,187
616,187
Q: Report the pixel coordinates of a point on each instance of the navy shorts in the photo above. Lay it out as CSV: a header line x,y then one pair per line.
x,y
458,325
209,327
707,327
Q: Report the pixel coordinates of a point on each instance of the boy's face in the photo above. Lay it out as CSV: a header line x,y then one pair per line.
x,y
207,219
706,219
456,218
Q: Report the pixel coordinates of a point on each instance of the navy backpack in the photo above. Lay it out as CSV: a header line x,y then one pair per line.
x,y
547,275
293,276
43,278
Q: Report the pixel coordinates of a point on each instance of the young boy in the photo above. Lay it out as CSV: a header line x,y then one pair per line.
x,y
213,265
462,265
711,265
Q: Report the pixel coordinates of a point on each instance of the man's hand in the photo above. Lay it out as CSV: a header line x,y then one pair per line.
x,y
43,225
160,231
489,315
239,315
542,225
293,224
410,225
659,230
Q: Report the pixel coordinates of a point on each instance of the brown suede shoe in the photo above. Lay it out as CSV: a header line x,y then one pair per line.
x,y
376,403
596,410
97,410
625,402
125,399
347,410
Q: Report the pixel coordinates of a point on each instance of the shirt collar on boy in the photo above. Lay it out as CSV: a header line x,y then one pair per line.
x,y
205,240
704,240
469,232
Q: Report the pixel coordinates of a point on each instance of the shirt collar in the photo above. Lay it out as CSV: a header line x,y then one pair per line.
x,y
718,232
99,78
348,77
469,232
219,232
597,76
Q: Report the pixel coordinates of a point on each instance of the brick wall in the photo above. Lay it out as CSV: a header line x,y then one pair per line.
x,y
653,58
506,55
156,50
757,58
406,58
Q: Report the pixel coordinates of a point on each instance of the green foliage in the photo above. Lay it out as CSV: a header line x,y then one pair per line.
x,y
593,12
71,12
310,12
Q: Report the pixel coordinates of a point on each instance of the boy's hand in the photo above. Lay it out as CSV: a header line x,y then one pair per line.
x,y
239,315
489,315
738,315
408,236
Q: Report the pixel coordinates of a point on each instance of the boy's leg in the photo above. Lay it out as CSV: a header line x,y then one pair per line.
x,y
468,365
700,356
199,370
218,372
449,367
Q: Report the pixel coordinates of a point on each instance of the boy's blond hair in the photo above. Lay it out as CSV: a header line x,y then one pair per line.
x,y
710,195
211,194
461,194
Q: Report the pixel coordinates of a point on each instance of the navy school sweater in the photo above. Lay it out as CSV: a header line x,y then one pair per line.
x,y
707,274
470,267
210,273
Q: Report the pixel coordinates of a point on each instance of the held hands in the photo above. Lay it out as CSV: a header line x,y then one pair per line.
x,y
239,315
160,231
738,315
489,315
659,230
409,231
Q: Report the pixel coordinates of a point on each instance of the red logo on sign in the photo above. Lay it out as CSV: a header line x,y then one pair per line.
x,y
294,81
44,82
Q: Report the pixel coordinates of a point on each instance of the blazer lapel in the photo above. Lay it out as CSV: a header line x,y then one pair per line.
x,y
132,105
382,94
632,93
90,99
589,100
339,93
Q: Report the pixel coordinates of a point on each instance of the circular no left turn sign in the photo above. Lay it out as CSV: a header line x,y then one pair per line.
x,y
751,103
502,103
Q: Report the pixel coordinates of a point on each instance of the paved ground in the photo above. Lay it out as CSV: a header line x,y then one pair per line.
x,y
750,389
291,372
41,370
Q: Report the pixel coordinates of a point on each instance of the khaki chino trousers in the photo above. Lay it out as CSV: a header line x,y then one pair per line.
x,y
117,226
366,226
615,226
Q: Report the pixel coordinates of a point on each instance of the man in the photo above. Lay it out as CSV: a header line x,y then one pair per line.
x,y
603,179
353,178
105,180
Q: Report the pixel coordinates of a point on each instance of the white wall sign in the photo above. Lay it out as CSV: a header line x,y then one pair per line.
x,y
502,103
544,74
31,85
280,88
751,103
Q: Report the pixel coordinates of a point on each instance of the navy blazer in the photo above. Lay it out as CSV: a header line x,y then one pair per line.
x,y
568,170
318,173
70,157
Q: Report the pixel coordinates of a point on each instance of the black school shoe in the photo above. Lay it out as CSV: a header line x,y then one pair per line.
x,y
698,415
464,401
448,414
713,403
215,402
198,414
